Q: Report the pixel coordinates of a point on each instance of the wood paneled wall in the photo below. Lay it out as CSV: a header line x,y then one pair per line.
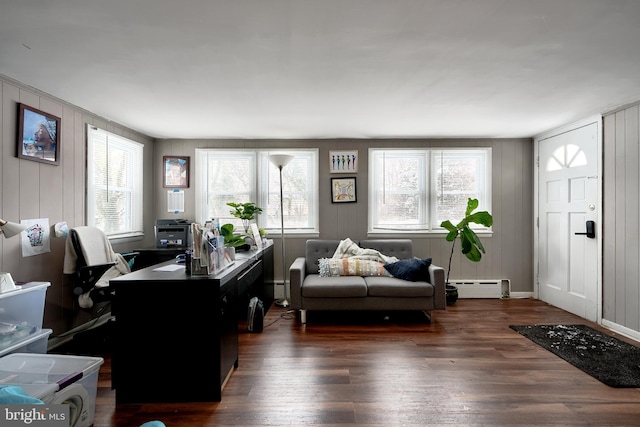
x,y
509,249
621,218
31,190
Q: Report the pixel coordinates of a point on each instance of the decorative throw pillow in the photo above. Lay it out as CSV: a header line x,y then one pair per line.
x,y
412,269
329,267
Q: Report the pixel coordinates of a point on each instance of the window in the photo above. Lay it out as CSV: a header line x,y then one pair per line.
x,y
414,190
114,183
567,156
241,176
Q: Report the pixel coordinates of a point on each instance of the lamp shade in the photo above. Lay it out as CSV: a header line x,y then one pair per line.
x,y
280,160
10,229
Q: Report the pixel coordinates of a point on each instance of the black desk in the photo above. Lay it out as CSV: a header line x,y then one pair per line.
x,y
151,256
176,336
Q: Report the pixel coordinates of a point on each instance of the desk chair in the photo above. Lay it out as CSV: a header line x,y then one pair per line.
x,y
91,261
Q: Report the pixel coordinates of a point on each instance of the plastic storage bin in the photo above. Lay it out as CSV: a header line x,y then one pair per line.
x,y
21,314
34,343
24,305
55,378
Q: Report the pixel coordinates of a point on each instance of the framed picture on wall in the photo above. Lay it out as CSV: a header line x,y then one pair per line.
x,y
343,190
38,135
343,161
176,171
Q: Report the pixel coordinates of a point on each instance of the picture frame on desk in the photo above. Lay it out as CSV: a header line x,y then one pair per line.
x,y
255,231
38,135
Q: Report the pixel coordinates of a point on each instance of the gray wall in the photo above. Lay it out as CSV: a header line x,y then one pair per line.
x,y
509,250
31,190
621,218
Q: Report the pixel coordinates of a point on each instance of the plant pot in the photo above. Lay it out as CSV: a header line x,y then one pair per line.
x,y
243,248
452,294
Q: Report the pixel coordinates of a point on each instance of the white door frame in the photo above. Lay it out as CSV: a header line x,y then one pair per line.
x,y
593,119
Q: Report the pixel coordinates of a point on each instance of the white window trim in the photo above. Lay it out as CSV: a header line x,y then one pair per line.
x,y
137,189
429,231
261,156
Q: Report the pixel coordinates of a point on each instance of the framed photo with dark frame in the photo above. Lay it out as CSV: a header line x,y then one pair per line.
x,y
343,190
175,172
38,135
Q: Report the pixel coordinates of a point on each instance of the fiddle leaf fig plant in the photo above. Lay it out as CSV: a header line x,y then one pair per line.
x,y
471,246
245,211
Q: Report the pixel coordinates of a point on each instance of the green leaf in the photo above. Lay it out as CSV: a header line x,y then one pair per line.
x,y
482,217
231,239
448,225
474,255
466,243
473,238
471,205
245,211
226,230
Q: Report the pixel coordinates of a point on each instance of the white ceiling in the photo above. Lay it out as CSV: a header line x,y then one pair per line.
x,y
328,68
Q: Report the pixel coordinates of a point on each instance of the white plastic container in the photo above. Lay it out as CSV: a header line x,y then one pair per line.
x,y
21,315
24,305
55,378
34,343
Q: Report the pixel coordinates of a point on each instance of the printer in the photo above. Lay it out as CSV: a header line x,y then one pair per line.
x,y
173,233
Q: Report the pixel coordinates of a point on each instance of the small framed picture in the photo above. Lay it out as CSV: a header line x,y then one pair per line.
x,y
256,235
38,135
343,161
176,172
343,190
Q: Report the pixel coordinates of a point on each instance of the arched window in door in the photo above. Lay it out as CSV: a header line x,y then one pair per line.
x,y
567,156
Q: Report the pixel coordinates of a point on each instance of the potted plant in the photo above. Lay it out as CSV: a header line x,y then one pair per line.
x,y
263,232
471,246
245,211
232,240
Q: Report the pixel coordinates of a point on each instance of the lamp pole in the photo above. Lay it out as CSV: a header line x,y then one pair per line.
x,y
283,302
280,161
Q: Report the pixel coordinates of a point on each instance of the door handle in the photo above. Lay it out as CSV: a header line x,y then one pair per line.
x,y
591,230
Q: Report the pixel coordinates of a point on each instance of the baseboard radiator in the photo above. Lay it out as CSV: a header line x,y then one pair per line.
x,y
493,288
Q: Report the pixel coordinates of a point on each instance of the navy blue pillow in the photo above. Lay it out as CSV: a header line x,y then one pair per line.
x,y
412,269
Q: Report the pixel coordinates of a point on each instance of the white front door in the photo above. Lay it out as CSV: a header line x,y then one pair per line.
x,y
568,203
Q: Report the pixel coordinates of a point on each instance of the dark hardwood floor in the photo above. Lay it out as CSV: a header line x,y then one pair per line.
x,y
466,368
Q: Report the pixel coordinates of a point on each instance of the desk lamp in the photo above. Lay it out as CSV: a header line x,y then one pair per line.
x,y
10,229
280,161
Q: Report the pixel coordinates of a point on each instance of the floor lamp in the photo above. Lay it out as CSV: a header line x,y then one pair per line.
x,y
280,161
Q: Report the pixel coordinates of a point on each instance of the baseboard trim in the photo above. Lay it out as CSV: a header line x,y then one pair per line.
x,y
622,330
521,295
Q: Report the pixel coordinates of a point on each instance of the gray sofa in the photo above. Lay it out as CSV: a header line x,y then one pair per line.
x,y
311,291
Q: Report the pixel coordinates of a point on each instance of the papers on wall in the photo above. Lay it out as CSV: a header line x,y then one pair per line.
x,y
175,201
36,238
